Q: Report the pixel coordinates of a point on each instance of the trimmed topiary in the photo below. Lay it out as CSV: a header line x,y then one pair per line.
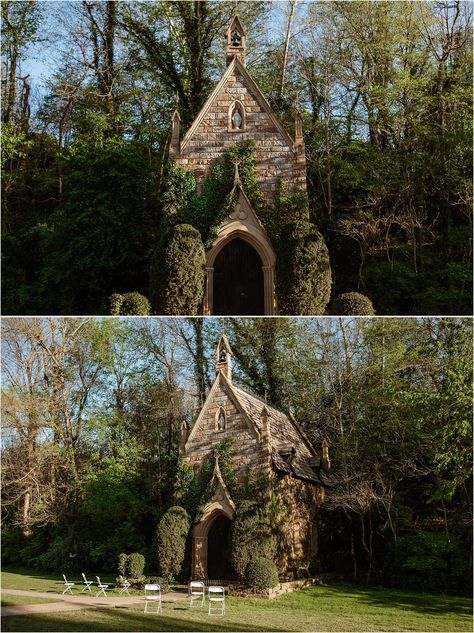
x,y
303,270
253,534
135,565
177,272
170,541
122,565
261,573
352,304
129,304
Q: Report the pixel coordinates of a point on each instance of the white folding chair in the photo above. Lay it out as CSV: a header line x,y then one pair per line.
x,y
196,593
68,585
124,585
216,600
87,584
152,599
102,588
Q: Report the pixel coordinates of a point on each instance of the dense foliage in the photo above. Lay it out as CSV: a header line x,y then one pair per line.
x,y
172,537
129,304
303,270
385,91
352,304
177,273
261,573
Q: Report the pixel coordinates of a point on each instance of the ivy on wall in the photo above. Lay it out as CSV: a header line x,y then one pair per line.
x,y
304,280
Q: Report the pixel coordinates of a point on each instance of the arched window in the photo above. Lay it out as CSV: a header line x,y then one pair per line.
x,y
220,420
236,117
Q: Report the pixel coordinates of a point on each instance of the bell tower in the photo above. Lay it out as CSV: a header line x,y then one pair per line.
x,y
223,357
235,41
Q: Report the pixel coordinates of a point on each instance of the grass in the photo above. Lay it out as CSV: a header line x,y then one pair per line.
x,y
10,600
321,608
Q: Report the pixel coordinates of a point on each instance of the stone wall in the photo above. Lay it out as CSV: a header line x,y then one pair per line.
x,y
248,450
275,156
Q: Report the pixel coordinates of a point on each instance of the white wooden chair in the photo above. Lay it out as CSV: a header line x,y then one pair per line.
x,y
216,600
102,588
152,599
87,584
124,585
67,585
196,593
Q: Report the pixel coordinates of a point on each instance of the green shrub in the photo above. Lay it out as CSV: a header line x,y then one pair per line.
x,y
135,565
352,304
122,564
261,573
129,304
253,535
171,540
303,270
177,272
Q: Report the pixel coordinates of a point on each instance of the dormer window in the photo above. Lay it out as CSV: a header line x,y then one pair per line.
x,y
220,420
236,117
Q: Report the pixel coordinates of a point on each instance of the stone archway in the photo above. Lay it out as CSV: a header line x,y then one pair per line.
x,y
208,536
257,242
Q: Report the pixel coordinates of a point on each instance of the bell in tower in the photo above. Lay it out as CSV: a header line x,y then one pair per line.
x,y
236,41
223,357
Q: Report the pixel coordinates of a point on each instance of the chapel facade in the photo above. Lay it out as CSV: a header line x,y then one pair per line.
x,y
240,264
265,440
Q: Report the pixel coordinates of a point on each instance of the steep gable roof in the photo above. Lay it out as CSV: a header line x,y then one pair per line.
x,y
233,67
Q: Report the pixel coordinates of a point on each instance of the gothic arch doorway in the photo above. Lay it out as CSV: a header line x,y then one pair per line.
x,y
238,280
219,566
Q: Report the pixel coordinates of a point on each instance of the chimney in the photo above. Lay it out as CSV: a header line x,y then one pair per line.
x,y
326,462
175,143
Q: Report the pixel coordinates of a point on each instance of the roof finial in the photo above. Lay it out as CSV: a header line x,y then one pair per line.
x,y
236,162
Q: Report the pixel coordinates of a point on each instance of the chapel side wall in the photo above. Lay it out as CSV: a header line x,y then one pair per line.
x,y
248,451
299,503
274,157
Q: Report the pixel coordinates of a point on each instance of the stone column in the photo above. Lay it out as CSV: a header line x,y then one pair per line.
x,y
209,296
268,290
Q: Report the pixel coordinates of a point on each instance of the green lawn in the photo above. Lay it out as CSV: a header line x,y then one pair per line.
x,y
321,608
10,600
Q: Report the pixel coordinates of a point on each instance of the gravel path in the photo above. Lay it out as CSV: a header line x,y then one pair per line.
x,y
74,602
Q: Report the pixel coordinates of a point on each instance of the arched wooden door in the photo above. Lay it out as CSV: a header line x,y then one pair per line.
x,y
219,565
238,280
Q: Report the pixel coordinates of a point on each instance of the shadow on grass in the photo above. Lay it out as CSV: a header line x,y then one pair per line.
x,y
112,620
424,603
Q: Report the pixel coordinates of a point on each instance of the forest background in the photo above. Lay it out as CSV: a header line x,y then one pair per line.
x,y
385,90
92,413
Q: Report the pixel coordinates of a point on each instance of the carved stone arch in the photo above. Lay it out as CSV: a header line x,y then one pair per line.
x,y
200,535
236,106
255,237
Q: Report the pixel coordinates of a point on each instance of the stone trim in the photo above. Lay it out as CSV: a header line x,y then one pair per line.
x,y
241,108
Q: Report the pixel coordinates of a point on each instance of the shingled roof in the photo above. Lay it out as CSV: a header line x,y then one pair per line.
x,y
286,438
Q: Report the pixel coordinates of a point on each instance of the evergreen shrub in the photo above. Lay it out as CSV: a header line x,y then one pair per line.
x,y
303,270
129,304
253,536
171,541
261,573
122,564
135,565
178,272
352,304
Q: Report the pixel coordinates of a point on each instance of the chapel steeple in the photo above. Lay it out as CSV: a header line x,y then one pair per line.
x,y
223,357
235,41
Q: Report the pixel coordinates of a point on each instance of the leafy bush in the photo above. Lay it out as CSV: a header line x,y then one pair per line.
x,y
171,540
122,564
253,535
135,565
303,270
353,304
178,272
129,304
261,573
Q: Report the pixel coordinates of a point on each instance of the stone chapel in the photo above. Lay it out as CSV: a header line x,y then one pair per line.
x,y
240,264
263,438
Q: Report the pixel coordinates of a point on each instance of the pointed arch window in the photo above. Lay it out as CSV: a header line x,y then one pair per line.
x,y
221,420
236,117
